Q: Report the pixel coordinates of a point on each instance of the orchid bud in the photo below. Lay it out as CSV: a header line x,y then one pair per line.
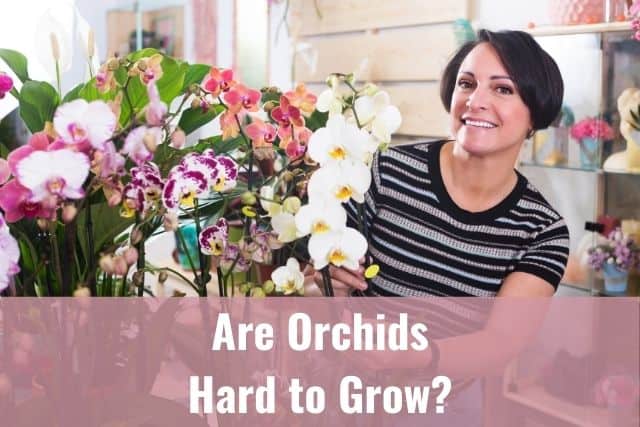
x,y
332,81
136,236
130,255
82,291
69,213
162,277
120,267
257,293
268,286
287,176
55,47
350,78
291,205
113,64
170,221
43,224
268,106
141,65
138,278
150,142
244,288
178,138
248,198
114,198
370,89
195,103
107,264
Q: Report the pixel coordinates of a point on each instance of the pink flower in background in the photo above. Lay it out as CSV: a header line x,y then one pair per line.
x,y
617,391
15,201
58,174
634,12
80,121
141,143
241,98
6,84
286,113
303,99
592,128
261,134
156,110
219,81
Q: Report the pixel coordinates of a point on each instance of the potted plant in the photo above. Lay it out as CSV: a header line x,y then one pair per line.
x,y
615,257
588,132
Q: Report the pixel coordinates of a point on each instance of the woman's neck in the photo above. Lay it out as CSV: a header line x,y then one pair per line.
x,y
476,184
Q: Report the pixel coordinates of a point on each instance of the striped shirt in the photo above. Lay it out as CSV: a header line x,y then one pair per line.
x,y
426,245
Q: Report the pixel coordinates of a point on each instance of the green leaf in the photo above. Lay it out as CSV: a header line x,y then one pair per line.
x,y
172,80
137,95
107,225
38,103
193,118
142,53
17,62
316,120
4,150
195,74
89,92
271,96
73,94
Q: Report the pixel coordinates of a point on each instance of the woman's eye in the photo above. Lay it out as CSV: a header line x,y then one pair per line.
x,y
464,84
504,90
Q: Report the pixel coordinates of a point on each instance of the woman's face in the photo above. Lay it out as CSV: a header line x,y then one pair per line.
x,y
487,114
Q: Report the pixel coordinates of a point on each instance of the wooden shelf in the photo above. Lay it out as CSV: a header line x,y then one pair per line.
x,y
558,30
535,397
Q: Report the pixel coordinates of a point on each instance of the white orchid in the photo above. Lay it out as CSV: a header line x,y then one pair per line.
x,y
284,224
10,255
288,279
340,141
340,182
330,100
320,217
342,249
80,121
267,194
57,174
378,116
141,143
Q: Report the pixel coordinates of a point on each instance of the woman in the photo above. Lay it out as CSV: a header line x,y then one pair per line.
x,y
453,218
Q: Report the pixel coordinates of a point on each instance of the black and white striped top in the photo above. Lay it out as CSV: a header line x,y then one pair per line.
x,y
426,245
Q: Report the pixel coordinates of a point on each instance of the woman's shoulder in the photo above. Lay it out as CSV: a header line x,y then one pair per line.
x,y
414,152
533,201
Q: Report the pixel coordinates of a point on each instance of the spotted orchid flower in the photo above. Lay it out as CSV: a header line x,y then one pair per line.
x,y
213,239
79,122
183,187
142,194
226,177
55,174
231,255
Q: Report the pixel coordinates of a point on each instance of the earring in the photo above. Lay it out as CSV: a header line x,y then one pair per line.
x,y
530,133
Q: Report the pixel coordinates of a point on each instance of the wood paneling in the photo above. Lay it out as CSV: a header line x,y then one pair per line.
x,y
352,15
399,54
419,104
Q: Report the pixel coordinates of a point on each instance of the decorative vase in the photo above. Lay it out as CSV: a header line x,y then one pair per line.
x,y
190,236
572,12
615,279
589,153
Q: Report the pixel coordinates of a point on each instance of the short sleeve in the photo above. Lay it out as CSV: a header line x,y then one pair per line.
x,y
547,256
370,198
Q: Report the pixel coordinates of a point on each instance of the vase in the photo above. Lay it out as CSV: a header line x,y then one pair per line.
x,y
615,279
589,154
190,253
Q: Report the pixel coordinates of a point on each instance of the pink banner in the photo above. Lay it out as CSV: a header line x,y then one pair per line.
x,y
320,361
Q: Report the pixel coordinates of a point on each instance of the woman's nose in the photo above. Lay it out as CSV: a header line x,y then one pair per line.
x,y
477,100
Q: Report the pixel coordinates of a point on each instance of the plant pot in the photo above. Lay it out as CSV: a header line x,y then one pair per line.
x,y
589,155
615,279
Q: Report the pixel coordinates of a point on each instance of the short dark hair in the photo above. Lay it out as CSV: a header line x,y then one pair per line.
x,y
533,71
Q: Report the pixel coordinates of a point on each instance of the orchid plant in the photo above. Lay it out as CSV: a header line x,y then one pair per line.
x,y
107,168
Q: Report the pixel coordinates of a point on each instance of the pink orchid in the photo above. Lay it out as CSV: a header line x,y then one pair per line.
x,y
80,121
635,8
213,239
294,140
15,201
148,69
286,113
5,171
303,99
233,257
261,134
58,174
141,143
6,84
219,81
229,125
156,110
10,255
107,162
241,98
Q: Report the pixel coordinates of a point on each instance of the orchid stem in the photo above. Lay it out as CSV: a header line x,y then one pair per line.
x,y
326,282
91,279
204,274
56,260
141,257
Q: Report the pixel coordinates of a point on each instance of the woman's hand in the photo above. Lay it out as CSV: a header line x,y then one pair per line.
x,y
342,279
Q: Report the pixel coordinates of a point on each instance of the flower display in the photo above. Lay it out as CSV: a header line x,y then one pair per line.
x,y
116,161
592,128
634,13
619,250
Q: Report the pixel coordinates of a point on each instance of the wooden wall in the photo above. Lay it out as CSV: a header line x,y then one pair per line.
x,y
402,45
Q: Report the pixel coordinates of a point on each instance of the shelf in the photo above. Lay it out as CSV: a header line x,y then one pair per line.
x,y
559,30
563,167
535,397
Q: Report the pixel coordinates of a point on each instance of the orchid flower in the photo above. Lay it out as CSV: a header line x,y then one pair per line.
x,y
330,100
342,249
6,84
340,182
377,115
284,224
15,201
213,239
267,194
241,98
107,162
231,255
286,114
320,217
261,134
10,255
288,278
59,174
226,177
5,171
341,141
156,110
302,99
80,121
141,143
229,125
183,187
142,194
148,69
294,140
219,81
